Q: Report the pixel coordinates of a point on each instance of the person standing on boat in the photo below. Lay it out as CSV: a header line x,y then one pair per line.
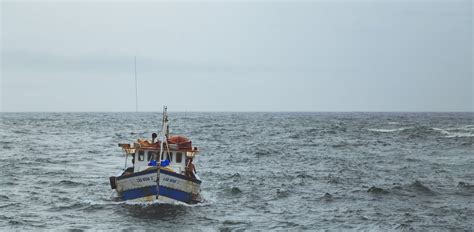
x,y
190,169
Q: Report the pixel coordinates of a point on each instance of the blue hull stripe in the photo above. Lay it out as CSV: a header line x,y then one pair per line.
x,y
151,191
161,171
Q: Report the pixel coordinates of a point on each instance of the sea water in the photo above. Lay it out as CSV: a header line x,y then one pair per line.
x,y
260,171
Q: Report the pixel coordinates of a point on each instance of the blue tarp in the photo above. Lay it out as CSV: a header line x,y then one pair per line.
x,y
163,163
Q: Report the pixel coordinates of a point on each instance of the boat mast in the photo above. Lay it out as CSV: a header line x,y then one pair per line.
x,y
164,139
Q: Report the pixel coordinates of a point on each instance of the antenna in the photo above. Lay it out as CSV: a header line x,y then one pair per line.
x,y
136,87
136,95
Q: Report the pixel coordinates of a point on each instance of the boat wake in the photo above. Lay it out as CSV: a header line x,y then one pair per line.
x,y
142,205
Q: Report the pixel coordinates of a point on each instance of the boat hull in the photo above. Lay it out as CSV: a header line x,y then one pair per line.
x,y
141,186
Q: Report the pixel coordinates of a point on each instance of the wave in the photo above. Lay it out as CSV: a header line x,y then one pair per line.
x,y
157,203
454,132
465,185
377,190
389,130
70,183
457,132
415,187
419,187
459,135
234,190
282,193
327,197
262,152
7,205
465,189
333,179
91,204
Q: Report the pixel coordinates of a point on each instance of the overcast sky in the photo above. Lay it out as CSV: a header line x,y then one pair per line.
x,y
238,56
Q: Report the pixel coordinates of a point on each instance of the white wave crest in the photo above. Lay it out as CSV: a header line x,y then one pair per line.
x,y
157,202
389,130
458,132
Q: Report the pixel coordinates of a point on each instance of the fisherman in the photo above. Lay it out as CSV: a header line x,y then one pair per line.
x,y
190,169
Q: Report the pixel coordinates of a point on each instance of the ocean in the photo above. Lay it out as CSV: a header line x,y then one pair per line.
x,y
260,171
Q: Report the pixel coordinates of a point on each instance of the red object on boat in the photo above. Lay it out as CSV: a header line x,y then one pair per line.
x,y
177,139
181,141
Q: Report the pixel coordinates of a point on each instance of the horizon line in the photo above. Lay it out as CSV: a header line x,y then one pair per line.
x,y
322,111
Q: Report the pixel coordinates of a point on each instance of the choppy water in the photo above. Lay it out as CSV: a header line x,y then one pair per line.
x,y
260,171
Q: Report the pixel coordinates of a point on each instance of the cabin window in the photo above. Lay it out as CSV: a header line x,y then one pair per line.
x,y
179,157
151,155
141,155
168,156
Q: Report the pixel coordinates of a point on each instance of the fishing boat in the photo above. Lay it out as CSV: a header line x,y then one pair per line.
x,y
161,169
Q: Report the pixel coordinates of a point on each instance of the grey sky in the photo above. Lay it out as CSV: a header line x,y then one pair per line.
x,y
238,56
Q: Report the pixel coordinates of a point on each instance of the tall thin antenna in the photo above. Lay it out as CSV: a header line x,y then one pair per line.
x,y
136,87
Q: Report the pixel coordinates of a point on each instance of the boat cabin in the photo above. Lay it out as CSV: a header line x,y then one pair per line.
x,y
177,150
142,158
